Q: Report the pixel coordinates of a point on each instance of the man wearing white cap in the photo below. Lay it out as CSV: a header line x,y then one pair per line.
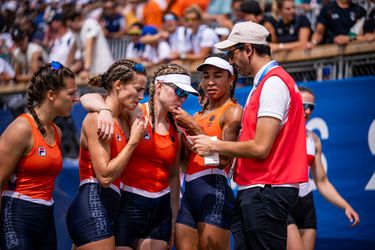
x,y
270,151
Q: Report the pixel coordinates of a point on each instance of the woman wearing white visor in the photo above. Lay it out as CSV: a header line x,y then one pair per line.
x,y
204,217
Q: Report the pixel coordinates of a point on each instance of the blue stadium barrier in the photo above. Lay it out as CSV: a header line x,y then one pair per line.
x,y
344,118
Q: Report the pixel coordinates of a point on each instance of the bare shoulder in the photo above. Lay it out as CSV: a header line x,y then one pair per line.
x,y
90,120
233,113
20,127
16,133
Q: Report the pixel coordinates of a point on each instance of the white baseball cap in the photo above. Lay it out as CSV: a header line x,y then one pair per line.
x,y
245,32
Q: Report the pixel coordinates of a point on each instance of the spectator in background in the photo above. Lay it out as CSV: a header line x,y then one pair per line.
x,y
96,53
132,10
218,13
6,72
369,25
114,22
65,47
27,56
175,35
252,11
156,52
289,31
335,22
237,14
135,48
202,37
222,33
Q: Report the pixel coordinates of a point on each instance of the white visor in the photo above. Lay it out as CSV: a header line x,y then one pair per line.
x,y
180,80
217,62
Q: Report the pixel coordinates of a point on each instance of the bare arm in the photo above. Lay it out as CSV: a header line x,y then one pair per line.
x,y
259,147
318,35
204,52
231,125
107,169
89,52
175,185
94,102
36,61
325,187
14,146
271,30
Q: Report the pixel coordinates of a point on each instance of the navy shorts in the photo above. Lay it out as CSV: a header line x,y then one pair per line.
x,y
92,213
303,213
260,217
26,225
207,199
142,217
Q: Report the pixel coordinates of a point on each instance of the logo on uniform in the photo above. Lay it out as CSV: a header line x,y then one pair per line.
x,y
118,137
335,16
212,118
147,136
41,151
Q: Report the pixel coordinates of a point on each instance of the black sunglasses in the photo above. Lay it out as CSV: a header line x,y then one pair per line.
x,y
230,53
308,105
178,91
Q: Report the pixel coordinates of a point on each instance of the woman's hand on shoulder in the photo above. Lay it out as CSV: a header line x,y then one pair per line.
x,y
105,124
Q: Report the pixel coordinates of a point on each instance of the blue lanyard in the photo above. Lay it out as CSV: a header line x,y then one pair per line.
x,y
265,71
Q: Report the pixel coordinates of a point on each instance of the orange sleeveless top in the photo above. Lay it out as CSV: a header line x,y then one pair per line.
x,y
210,123
149,166
34,176
86,171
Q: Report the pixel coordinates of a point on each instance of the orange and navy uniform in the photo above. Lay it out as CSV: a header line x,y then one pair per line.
x,y
145,196
207,197
34,176
147,172
86,171
210,123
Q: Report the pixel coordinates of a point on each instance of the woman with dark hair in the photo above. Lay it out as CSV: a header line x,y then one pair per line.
x,y
94,210
150,181
289,30
204,218
31,159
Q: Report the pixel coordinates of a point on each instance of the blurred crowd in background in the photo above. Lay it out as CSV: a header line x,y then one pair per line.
x,y
79,33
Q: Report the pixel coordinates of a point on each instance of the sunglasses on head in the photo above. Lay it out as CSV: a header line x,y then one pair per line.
x,y
139,68
178,91
55,65
307,105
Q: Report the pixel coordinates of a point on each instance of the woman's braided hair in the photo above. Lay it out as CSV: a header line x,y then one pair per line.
x,y
44,79
122,70
233,86
165,69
